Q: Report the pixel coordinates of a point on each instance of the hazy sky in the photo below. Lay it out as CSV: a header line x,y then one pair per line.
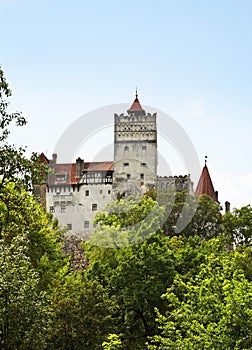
x,y
190,59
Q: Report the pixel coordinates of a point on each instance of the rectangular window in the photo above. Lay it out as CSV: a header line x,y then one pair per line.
x,y
87,193
141,176
95,224
69,226
128,176
52,209
60,178
86,224
109,191
94,207
63,209
100,191
144,148
126,148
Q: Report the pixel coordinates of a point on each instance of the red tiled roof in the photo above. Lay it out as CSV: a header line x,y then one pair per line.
x,y
69,170
136,106
98,166
205,185
43,159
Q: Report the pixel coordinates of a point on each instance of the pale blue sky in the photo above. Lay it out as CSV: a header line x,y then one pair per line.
x,y
190,59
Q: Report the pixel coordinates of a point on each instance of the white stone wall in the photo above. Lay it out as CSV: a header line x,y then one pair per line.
x,y
77,208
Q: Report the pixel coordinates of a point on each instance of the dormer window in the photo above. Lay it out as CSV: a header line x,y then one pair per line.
x,y
61,177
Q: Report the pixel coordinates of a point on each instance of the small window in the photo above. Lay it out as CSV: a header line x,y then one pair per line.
x,y
109,191
61,178
86,224
128,176
125,164
87,193
94,207
126,148
100,191
63,209
52,209
141,176
69,226
95,224
143,164
144,148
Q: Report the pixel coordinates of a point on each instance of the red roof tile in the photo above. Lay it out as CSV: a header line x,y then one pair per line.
x,y
69,170
136,106
205,185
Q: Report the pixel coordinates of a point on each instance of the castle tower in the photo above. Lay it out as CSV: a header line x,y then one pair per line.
x,y
205,185
135,151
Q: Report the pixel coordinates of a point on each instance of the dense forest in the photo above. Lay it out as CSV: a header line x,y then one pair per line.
x,y
146,283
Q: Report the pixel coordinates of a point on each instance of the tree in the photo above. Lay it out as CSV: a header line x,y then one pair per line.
x,y
126,222
21,216
211,310
23,307
238,226
82,314
14,166
188,215
113,343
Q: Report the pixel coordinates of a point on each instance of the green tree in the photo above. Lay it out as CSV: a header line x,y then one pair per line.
x,y
126,222
211,310
113,343
23,308
238,225
14,165
82,314
188,215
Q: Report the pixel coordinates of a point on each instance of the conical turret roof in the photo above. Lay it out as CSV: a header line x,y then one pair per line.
x,y
136,107
205,185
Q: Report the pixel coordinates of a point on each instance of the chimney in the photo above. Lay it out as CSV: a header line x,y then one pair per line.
x,y
79,167
54,158
227,207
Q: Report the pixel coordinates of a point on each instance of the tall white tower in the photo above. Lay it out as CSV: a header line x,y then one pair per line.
x,y
135,151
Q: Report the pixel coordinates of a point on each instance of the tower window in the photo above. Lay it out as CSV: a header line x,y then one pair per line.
x,y
63,209
128,176
143,164
109,191
87,193
69,226
125,164
141,176
86,224
94,207
126,148
144,148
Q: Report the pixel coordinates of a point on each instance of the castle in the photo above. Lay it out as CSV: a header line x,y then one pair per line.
x,y
77,191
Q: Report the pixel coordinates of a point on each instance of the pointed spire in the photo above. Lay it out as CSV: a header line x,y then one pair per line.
x,y
136,107
205,185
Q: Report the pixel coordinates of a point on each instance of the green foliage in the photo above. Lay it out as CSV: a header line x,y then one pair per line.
x,y
81,314
113,343
188,215
22,216
14,166
211,310
23,311
126,222
238,226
